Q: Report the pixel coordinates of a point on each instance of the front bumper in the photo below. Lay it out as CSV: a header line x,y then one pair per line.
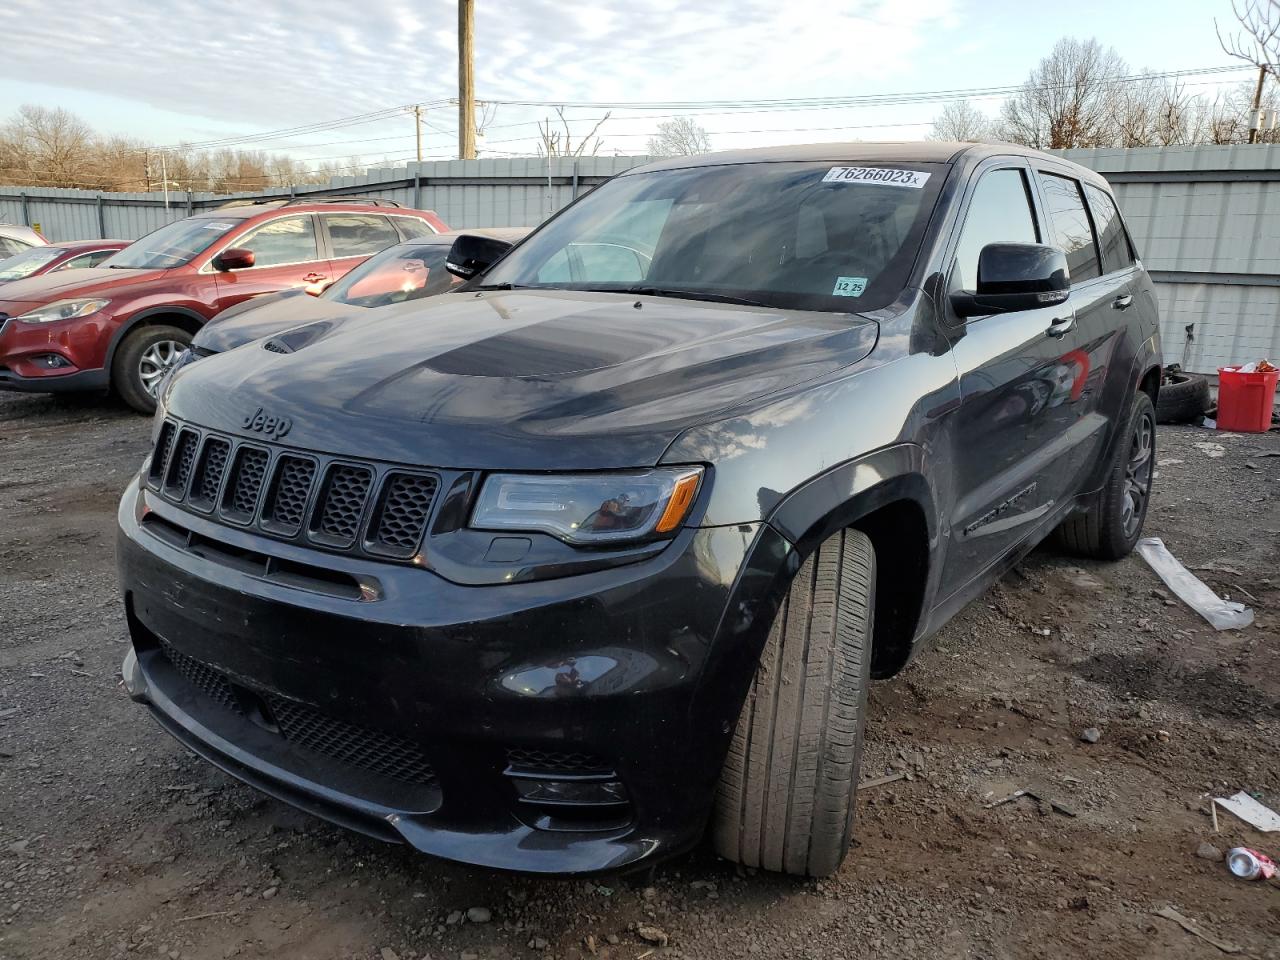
x,y
60,357
423,716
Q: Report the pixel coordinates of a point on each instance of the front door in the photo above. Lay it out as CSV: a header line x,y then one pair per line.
x,y
286,256
1022,434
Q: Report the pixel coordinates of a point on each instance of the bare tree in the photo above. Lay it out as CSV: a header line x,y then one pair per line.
x,y
46,147
559,143
679,137
961,120
1257,40
1068,100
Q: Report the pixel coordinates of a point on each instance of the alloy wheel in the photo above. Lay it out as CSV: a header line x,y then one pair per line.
x,y
1137,475
157,360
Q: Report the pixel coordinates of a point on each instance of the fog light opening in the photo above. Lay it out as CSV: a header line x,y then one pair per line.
x,y
574,793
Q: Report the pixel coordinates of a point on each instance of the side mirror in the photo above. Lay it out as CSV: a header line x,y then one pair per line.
x,y
472,254
1015,276
233,258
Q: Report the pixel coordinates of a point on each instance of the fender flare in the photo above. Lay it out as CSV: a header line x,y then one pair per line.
x,y
907,543
851,490
141,317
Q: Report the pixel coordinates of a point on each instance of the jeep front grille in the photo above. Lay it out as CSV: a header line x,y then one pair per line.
x,y
380,511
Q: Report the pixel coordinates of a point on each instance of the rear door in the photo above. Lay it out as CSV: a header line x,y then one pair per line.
x,y
1100,290
1020,436
354,237
286,253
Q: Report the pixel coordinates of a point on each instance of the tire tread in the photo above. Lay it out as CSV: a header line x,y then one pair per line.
x,y
786,796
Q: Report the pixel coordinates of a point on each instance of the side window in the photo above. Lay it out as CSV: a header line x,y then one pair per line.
x,y
411,228
76,263
277,242
86,260
9,247
1112,239
999,212
1070,223
359,234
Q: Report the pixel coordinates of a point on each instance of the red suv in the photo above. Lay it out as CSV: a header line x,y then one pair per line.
x,y
123,324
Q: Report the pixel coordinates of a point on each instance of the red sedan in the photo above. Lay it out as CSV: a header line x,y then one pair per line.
x,y
37,261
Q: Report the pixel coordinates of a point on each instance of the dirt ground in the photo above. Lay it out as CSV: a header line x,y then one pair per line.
x,y
114,842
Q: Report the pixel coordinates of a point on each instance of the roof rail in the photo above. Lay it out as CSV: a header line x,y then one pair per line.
x,y
294,201
371,201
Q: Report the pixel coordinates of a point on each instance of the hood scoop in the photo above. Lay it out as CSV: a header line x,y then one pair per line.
x,y
291,341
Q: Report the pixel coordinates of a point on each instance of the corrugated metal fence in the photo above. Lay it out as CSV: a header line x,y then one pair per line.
x,y
1206,221
465,193
1207,224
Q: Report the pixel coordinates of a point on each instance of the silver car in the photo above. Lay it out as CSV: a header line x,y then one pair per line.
x,y
14,239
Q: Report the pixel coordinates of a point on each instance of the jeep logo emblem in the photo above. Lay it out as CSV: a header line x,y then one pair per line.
x,y
272,427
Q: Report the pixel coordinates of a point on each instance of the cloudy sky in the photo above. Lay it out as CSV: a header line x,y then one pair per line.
x,y
172,71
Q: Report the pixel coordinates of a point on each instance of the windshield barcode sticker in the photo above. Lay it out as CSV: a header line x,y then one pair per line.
x,y
885,175
218,225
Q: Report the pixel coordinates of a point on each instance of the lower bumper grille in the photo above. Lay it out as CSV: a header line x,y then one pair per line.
x,y
378,752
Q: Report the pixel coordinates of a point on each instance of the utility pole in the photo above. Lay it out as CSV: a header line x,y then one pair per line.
x,y
466,82
1255,120
164,174
417,127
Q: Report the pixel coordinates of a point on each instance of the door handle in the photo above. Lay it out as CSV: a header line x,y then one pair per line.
x,y
1061,326
1123,301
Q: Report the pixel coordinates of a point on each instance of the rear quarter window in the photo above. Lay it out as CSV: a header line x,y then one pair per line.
x,y
1113,240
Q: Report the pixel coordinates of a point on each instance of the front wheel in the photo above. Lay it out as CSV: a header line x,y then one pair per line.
x,y
786,795
142,362
1109,527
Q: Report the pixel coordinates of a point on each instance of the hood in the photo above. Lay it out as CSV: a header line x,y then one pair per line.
x,y
62,285
263,316
520,380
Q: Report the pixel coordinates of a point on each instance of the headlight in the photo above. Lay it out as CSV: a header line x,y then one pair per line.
x,y
63,310
589,508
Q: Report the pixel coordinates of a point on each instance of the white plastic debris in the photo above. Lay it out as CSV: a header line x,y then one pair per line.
x,y
1251,812
1222,614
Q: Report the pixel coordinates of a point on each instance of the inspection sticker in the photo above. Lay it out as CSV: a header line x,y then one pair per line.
x,y
849,286
885,175
218,225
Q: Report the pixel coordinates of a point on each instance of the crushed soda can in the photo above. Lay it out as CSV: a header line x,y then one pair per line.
x,y
1250,864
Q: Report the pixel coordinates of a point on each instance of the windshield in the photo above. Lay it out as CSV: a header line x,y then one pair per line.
x,y
400,273
172,245
802,235
28,262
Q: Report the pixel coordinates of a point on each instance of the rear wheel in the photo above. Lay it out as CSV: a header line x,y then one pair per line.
x,y
142,362
786,795
1111,525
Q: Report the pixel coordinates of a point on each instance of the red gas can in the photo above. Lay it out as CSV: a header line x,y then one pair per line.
x,y
1245,399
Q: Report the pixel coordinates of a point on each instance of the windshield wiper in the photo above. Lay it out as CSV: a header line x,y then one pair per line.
x,y
643,290
505,286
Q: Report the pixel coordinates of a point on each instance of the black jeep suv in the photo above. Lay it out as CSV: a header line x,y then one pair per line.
x,y
555,571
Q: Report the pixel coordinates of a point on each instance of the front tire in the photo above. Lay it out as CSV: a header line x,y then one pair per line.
x,y
786,795
1109,527
142,361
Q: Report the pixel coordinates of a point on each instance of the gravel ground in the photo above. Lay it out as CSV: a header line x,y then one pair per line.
x,y
114,842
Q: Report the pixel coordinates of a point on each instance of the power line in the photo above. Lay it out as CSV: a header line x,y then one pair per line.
x,y
919,96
